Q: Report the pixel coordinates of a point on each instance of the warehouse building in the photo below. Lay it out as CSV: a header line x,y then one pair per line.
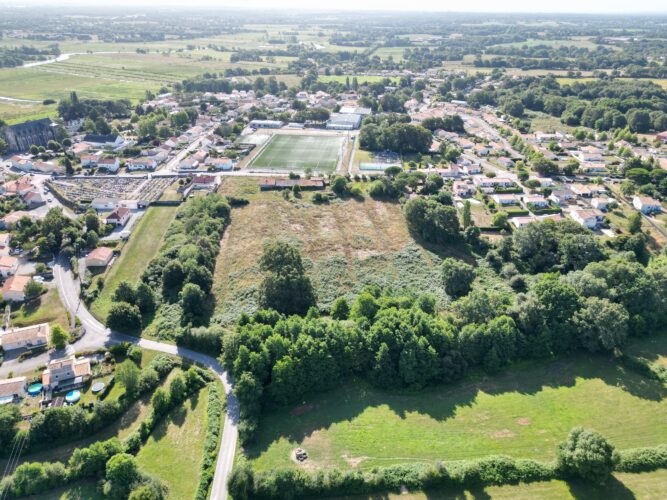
x,y
348,121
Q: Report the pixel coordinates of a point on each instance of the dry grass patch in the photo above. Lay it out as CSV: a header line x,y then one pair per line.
x,y
346,244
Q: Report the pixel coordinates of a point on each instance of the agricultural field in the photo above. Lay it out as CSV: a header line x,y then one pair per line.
x,y
396,53
360,78
16,112
584,42
522,412
345,244
143,245
623,486
40,84
569,81
299,152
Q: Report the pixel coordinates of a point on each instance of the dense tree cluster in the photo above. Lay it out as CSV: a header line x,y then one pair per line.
x,y
179,279
394,133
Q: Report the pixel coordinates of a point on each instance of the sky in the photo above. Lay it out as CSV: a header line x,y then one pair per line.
x,y
524,6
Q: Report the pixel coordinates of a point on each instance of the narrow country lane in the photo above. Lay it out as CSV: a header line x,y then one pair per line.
x,y
97,335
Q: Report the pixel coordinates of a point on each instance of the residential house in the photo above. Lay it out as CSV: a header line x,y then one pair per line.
x,y
204,182
34,199
481,150
561,196
583,190
12,389
584,157
119,217
12,219
109,164
535,201
590,218
593,168
146,163
601,203
100,257
45,167
519,222
188,164
89,159
107,141
8,266
26,337
662,136
472,169
220,163
13,290
21,162
492,182
505,162
646,205
200,156
462,189
19,187
451,172
5,241
544,181
505,199
66,373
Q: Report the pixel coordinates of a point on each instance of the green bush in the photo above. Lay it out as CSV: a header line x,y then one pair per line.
x,y
213,429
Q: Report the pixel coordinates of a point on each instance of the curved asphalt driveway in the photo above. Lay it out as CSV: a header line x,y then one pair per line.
x,y
97,335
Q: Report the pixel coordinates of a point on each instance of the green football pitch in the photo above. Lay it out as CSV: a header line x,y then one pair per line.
x,y
299,152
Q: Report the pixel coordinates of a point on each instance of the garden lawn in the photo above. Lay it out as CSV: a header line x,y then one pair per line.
x,y
142,246
522,412
174,451
47,308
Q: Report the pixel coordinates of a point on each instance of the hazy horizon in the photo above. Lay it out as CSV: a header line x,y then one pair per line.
x,y
474,6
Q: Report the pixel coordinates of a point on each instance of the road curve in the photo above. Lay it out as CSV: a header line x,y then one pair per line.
x,y
97,335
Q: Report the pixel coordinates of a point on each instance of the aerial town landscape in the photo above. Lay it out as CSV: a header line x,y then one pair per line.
x,y
353,254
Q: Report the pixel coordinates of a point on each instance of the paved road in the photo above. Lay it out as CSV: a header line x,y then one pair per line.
x,y
97,335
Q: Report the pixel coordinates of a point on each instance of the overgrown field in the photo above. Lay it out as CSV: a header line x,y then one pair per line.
x,y
522,412
143,245
345,245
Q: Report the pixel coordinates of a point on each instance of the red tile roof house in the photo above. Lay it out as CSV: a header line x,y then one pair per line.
x,y
89,160
100,257
8,266
33,199
13,289
26,337
119,217
18,187
203,182
66,373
